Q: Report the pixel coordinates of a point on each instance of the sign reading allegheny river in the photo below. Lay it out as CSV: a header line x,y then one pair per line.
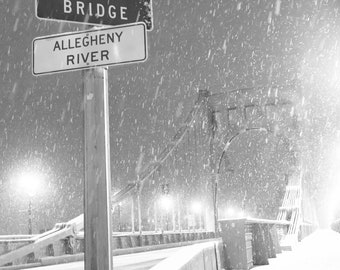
x,y
80,50
105,12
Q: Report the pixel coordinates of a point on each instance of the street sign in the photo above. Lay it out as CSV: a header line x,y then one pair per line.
x,y
104,12
92,48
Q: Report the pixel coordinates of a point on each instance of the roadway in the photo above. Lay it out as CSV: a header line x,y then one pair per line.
x,y
319,251
136,261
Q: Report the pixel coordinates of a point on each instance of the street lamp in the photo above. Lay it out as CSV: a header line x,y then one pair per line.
x,y
196,207
230,212
30,182
197,210
167,204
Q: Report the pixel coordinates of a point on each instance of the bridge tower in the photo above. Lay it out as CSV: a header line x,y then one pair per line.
x,y
298,210
291,211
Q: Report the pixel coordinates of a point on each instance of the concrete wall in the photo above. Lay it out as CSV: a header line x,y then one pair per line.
x,y
205,256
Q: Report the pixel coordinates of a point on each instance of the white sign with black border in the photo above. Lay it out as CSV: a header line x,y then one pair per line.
x,y
104,46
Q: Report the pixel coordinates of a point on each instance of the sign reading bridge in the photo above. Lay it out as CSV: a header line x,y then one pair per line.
x,y
105,12
91,48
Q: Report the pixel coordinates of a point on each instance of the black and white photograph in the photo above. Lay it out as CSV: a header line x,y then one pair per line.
x,y
170,135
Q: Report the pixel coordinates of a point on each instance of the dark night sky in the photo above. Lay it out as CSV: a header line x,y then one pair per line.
x,y
194,45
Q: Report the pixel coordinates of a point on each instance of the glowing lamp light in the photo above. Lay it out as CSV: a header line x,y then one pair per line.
x,y
196,207
166,203
30,182
241,214
230,211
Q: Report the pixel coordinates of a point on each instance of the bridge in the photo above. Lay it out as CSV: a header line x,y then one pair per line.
x,y
181,200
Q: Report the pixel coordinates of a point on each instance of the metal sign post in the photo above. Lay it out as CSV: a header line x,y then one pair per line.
x,y
97,199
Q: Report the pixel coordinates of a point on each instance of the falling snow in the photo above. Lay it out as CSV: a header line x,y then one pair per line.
x,y
272,65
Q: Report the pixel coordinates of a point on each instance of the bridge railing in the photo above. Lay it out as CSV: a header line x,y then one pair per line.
x,y
246,242
249,241
149,238
54,242
65,239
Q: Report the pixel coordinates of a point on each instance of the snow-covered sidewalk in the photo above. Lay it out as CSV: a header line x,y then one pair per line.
x,y
319,251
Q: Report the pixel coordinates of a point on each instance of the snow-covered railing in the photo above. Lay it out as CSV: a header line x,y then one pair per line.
x,y
204,256
47,242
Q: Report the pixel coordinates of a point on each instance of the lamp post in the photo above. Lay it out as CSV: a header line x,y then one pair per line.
x,y
30,216
166,203
197,210
29,182
226,146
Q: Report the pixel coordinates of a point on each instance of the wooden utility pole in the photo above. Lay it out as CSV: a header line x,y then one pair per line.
x,y
97,204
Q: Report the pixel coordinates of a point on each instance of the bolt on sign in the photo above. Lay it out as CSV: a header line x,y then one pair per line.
x,y
104,12
92,48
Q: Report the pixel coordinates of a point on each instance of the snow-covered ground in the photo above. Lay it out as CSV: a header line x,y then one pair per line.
x,y
319,251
